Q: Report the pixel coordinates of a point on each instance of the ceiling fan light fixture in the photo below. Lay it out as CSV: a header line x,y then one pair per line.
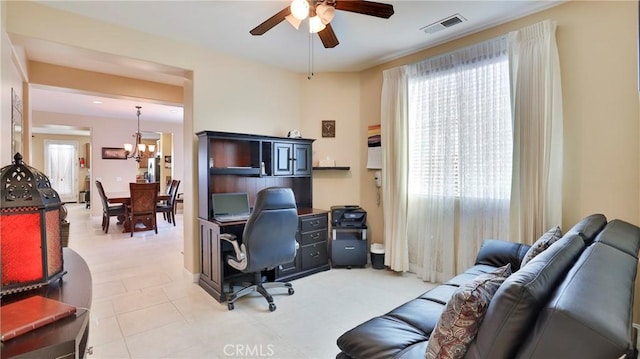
x,y
293,21
325,12
316,25
300,9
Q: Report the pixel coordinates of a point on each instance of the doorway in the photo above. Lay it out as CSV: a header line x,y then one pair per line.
x,y
60,165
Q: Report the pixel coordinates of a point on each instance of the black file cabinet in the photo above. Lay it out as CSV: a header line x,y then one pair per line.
x,y
349,246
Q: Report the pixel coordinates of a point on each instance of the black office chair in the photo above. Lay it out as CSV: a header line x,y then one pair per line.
x,y
268,240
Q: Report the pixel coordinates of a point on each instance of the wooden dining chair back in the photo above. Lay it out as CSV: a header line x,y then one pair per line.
x,y
168,208
168,186
108,210
142,209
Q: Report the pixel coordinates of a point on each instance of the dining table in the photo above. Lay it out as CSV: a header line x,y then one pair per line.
x,y
125,198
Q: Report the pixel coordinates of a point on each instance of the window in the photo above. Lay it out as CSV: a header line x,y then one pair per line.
x,y
460,131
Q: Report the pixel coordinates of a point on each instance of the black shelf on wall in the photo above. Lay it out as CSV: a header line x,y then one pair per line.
x,y
334,168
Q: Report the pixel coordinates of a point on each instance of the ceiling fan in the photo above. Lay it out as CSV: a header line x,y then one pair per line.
x,y
320,14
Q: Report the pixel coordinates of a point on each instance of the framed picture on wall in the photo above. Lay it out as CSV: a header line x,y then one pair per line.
x,y
16,123
167,161
114,153
329,128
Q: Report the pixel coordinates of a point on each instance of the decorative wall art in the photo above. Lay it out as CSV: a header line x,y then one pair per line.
x,y
16,123
329,128
374,143
114,153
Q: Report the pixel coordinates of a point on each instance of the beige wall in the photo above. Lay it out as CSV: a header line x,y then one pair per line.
x,y
597,42
333,96
11,78
95,82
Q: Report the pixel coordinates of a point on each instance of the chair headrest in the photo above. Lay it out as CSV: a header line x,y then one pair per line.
x,y
275,198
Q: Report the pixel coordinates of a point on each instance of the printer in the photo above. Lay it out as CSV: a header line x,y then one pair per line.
x,y
349,216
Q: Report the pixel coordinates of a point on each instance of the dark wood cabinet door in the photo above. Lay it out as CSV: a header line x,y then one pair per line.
x,y
283,153
302,160
290,268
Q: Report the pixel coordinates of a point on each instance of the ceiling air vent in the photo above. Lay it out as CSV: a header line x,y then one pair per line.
x,y
443,24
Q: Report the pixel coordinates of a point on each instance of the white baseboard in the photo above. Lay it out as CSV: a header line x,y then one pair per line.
x,y
193,277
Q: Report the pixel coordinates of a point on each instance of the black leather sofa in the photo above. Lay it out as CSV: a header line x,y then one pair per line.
x,y
574,300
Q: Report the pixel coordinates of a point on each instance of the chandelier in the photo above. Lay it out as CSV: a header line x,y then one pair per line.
x,y
138,149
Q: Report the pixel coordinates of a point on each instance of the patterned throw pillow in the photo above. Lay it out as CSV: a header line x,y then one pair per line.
x,y
541,244
458,324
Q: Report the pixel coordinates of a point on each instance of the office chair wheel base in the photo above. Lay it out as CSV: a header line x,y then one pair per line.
x,y
272,307
230,306
291,291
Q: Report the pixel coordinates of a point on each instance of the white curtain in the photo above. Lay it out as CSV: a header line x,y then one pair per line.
x,y
460,156
472,149
60,168
536,199
486,140
394,134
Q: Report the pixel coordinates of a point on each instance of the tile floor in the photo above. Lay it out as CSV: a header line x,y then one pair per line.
x,y
146,306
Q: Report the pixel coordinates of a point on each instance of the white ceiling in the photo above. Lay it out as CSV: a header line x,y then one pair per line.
x,y
223,26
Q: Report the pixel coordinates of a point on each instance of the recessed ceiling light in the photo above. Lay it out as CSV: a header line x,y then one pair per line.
x,y
97,101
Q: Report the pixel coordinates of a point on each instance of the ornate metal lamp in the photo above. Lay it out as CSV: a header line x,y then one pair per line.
x,y
30,227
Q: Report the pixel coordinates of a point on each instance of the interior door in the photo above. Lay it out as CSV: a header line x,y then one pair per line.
x,y
61,166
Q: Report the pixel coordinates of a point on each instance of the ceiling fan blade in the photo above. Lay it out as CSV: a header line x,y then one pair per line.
x,y
271,22
328,37
366,7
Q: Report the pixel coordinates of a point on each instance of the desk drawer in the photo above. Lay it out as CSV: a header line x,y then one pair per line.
x,y
314,255
313,223
313,237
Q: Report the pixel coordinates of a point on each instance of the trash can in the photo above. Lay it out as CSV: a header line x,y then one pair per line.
x,y
377,256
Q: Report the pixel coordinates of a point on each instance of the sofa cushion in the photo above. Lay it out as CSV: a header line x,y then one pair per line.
x,y
515,305
622,236
399,332
381,337
542,243
459,322
497,253
470,274
440,294
589,227
593,304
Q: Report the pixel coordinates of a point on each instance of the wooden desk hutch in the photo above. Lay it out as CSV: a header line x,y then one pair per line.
x,y
234,162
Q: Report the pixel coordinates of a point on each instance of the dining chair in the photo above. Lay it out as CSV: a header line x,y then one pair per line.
x,y
168,208
108,211
167,191
142,208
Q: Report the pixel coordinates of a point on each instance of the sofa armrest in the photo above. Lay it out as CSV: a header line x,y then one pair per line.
x,y
497,253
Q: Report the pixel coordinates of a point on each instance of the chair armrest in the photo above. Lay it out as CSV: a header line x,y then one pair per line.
x,y
497,253
239,260
231,238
